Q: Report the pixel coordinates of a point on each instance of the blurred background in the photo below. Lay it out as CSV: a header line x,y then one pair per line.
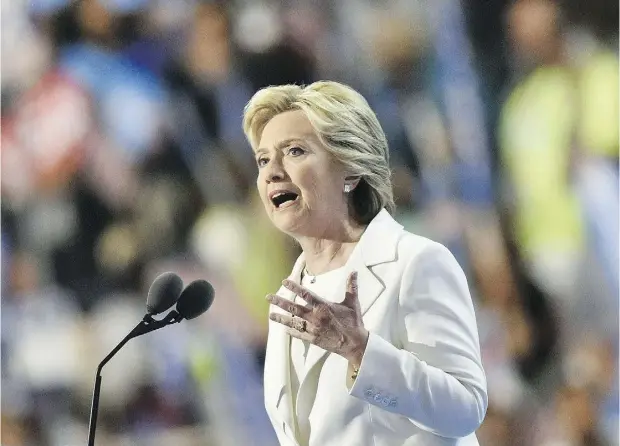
x,y
123,157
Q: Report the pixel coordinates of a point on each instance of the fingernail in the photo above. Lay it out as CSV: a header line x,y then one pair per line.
x,y
269,297
285,282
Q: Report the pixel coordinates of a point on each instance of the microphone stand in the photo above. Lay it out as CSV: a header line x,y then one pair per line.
x,y
147,325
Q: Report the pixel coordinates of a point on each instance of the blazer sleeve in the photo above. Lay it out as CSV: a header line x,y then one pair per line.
x,y
436,380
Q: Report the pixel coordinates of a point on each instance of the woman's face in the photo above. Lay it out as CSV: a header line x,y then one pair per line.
x,y
300,184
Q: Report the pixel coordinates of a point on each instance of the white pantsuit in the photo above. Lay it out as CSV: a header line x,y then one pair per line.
x,y
421,380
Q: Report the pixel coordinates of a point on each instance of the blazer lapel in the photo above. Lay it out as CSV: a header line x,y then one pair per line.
x,y
369,285
277,369
278,359
378,245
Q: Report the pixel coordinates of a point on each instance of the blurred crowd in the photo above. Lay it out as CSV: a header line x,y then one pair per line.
x,y
123,157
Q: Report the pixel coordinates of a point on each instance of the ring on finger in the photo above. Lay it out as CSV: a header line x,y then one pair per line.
x,y
300,325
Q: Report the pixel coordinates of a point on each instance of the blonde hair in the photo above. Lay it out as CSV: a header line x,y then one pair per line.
x,y
346,126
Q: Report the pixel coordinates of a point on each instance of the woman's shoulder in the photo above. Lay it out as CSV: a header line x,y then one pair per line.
x,y
388,238
417,248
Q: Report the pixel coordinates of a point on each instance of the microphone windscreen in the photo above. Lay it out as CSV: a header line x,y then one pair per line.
x,y
163,293
195,299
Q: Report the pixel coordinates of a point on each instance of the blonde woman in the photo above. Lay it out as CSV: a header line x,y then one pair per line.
x,y
372,337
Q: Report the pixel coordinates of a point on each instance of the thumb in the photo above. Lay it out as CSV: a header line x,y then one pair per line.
x,y
350,296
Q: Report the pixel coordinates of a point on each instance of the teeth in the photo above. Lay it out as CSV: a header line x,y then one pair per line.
x,y
280,194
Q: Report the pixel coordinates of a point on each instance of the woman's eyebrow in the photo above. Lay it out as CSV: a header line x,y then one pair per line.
x,y
281,144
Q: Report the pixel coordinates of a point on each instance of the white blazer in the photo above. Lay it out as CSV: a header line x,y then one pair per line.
x,y
421,380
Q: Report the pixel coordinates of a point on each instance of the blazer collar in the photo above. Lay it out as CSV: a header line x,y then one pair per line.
x,y
379,242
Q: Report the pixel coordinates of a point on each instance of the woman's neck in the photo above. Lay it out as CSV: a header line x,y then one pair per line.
x,y
331,251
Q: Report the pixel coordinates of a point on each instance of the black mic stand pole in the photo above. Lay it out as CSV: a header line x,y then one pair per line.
x,y
147,325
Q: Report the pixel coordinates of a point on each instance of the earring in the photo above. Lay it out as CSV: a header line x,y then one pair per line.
x,y
347,188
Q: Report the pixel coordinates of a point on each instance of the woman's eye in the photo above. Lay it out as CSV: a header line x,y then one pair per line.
x,y
296,151
261,161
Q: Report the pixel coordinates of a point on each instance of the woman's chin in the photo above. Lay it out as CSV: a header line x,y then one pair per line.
x,y
286,220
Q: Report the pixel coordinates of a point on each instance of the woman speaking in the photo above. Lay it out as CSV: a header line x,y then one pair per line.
x,y
372,337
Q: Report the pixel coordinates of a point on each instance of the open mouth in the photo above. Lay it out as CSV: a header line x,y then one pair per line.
x,y
284,199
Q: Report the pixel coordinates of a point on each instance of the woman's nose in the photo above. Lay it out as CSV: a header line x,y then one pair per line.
x,y
275,171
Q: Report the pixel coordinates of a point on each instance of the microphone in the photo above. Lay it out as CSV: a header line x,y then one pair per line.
x,y
195,299
165,290
163,293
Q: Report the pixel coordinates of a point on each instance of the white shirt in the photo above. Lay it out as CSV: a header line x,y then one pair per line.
x,y
323,286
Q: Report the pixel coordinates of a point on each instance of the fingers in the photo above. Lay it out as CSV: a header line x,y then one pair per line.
x,y
301,335
307,295
350,295
287,305
283,319
296,324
